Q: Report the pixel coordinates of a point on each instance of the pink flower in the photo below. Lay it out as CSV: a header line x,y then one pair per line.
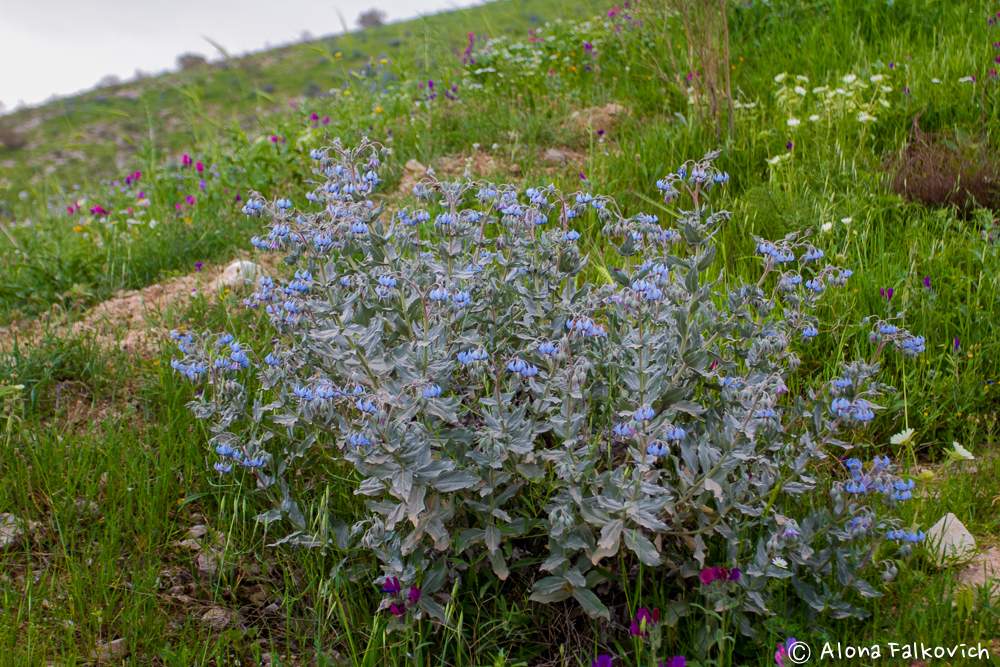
x,y
199,167
186,160
98,210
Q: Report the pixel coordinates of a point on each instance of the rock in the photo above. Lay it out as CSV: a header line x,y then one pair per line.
x,y
11,531
112,651
948,540
558,156
217,618
239,272
597,118
188,544
984,570
208,564
198,531
415,167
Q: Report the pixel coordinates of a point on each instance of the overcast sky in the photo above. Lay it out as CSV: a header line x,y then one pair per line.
x,y
63,46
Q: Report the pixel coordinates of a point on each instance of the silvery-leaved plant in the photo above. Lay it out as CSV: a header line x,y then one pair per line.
x,y
503,401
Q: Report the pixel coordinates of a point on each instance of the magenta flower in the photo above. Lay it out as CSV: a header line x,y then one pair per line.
x,y
275,138
886,293
191,201
141,195
413,595
588,47
782,652
98,210
392,586
199,265
314,117
199,167
397,610
676,661
643,619
178,206
326,120
467,58
603,660
186,160
710,575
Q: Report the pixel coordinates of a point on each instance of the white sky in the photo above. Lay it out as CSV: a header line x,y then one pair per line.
x,y
59,47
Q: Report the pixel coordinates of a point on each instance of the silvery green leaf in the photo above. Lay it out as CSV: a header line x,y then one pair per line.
x,y
642,547
591,603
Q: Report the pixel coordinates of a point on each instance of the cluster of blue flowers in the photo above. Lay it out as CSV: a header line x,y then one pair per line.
x,y
232,455
858,410
878,479
522,368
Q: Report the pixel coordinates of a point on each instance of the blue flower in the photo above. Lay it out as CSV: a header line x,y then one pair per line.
x,y
548,349
675,433
623,430
359,228
812,254
461,299
856,486
810,332
223,468
303,393
225,450
643,414
586,327
815,285
900,535
912,346
571,235
358,440
387,281
522,368
283,204
888,329
432,391
657,448
366,406
471,356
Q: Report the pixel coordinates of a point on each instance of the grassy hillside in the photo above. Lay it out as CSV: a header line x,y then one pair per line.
x,y
845,114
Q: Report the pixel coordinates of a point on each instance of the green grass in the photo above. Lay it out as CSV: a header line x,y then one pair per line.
x,y
93,573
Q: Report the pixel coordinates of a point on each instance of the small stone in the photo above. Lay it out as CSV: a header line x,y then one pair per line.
x,y
984,570
414,167
112,651
948,540
217,618
239,272
208,564
11,531
197,532
189,544
556,156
